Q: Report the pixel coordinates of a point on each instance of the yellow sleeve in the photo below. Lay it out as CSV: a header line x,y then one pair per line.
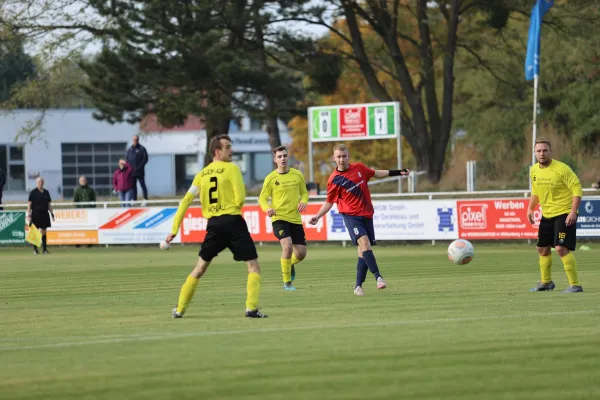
x,y
265,193
531,174
572,182
185,203
239,189
303,190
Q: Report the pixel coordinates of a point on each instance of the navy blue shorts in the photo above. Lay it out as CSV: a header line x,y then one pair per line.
x,y
358,227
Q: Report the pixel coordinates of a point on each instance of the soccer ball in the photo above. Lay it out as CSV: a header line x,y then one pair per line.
x,y
164,245
460,252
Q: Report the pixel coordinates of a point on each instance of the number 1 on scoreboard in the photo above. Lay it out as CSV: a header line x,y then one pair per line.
x,y
381,122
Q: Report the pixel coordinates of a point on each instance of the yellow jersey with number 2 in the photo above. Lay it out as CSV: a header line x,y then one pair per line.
x,y
555,186
222,192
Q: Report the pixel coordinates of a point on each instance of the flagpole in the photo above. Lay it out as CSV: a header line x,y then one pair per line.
x,y
534,119
534,133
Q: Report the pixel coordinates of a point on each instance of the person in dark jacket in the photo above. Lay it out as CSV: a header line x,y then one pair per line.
x,y
84,194
137,157
2,182
123,183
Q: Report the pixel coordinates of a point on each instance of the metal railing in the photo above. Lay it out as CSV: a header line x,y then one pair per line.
x,y
254,199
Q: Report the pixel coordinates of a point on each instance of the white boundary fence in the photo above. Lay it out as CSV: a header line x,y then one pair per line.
x,y
406,217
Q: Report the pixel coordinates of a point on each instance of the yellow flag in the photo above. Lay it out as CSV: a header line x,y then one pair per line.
x,y
34,236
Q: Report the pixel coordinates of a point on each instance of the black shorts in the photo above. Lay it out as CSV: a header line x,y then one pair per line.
x,y
228,231
554,232
283,229
41,219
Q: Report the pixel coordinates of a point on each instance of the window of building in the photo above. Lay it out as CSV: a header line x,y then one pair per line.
x,y
12,164
97,161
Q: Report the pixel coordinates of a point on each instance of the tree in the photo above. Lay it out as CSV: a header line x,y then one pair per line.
x,y
422,34
15,65
191,58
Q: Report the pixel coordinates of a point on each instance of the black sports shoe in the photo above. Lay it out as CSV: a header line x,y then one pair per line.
x,y
46,251
255,314
543,287
35,251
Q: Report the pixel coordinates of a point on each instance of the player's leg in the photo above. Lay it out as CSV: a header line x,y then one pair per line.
x,y
253,290
243,248
565,240
189,287
287,250
299,244
213,244
364,244
281,230
544,244
361,273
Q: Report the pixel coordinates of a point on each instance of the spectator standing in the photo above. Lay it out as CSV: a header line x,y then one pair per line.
x,y
2,183
123,183
84,194
39,209
137,157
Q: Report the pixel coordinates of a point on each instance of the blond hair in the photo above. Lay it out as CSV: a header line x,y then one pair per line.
x,y
341,147
543,140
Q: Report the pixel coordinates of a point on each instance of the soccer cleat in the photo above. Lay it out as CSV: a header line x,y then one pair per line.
x,y
35,251
176,314
358,291
46,251
381,283
293,273
543,287
573,289
255,314
288,286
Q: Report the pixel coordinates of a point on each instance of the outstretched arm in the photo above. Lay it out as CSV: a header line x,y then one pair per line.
x,y
185,203
382,173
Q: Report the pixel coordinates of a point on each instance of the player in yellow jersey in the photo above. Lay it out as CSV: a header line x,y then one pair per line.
x,y
222,195
558,190
289,197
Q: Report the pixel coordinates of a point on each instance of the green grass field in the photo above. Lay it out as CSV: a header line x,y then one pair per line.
x,y
96,324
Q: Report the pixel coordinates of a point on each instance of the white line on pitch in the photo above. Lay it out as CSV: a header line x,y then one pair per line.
x,y
167,336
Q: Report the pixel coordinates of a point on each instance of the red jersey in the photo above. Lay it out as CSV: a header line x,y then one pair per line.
x,y
350,191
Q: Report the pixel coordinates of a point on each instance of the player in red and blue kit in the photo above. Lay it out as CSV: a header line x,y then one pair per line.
x,y
348,188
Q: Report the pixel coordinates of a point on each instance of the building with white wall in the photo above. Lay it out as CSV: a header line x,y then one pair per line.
x,y
73,143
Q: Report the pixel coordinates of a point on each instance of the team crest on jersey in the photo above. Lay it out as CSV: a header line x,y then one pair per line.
x,y
276,183
534,178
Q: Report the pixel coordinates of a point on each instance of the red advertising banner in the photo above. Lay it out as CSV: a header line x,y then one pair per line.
x,y
353,121
193,226
496,219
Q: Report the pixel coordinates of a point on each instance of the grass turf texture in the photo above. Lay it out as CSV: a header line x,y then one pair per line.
x,y
96,323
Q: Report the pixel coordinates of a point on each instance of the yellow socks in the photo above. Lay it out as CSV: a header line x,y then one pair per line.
x,y
186,294
545,268
295,261
253,290
286,269
570,265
